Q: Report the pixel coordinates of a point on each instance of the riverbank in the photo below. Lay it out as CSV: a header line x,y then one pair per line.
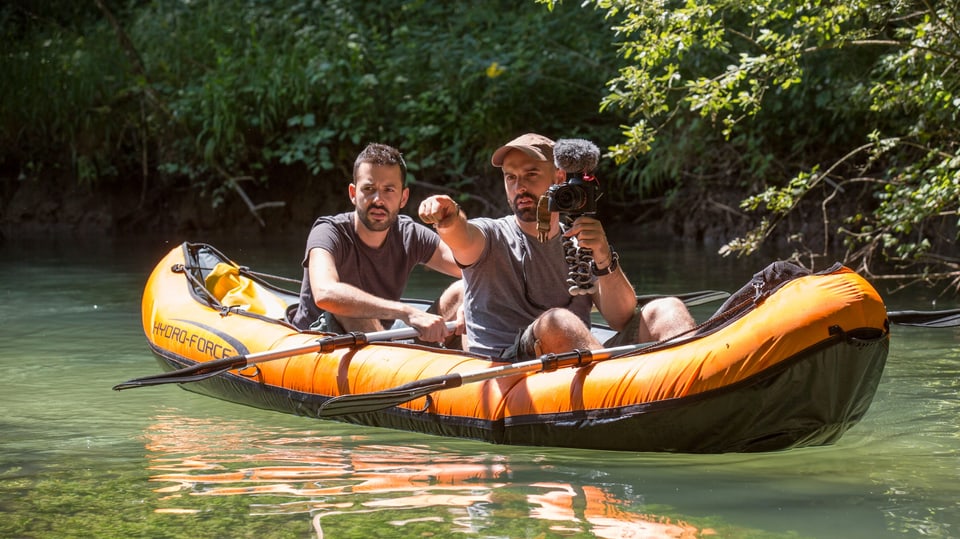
x,y
46,207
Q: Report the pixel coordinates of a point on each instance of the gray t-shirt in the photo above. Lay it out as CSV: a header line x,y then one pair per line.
x,y
381,271
506,290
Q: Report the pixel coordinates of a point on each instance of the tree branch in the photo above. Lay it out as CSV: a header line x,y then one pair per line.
x,y
234,183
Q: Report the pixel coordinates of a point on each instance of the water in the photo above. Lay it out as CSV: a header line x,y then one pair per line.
x,y
80,460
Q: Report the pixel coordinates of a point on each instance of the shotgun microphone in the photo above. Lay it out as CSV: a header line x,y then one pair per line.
x,y
576,156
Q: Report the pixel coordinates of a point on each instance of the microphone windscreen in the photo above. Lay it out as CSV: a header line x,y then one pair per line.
x,y
575,155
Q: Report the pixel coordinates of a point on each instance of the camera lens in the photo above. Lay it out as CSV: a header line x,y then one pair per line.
x,y
570,198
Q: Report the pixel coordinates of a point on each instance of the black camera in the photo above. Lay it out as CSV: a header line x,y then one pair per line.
x,y
575,196
578,195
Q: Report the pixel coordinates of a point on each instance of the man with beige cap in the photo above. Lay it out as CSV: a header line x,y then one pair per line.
x,y
516,298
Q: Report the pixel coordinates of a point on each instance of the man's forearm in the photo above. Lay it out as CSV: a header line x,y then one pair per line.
x,y
345,300
615,298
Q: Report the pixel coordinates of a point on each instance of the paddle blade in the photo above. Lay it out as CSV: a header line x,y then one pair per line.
x,y
181,379
373,402
926,319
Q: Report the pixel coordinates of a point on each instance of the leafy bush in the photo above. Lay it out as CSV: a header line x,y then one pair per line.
x,y
844,109
228,90
64,93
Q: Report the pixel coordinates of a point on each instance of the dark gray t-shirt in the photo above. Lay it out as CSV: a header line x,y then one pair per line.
x,y
506,290
381,271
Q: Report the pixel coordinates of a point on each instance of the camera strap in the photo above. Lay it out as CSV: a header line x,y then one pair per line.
x,y
543,218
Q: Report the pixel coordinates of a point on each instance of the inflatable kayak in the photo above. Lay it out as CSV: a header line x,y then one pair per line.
x,y
791,360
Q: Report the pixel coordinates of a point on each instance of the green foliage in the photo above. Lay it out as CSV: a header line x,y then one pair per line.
x,y
64,94
813,104
839,112
245,88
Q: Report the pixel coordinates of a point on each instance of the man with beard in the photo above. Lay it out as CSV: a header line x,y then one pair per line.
x,y
515,296
356,264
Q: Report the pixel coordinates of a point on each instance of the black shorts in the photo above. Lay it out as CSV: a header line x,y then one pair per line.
x,y
523,347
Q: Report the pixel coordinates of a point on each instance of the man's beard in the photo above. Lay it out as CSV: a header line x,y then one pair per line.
x,y
376,226
527,215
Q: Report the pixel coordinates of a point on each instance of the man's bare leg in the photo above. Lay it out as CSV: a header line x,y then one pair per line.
x,y
664,318
559,330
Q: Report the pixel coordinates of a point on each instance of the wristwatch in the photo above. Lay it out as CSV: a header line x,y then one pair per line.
x,y
614,264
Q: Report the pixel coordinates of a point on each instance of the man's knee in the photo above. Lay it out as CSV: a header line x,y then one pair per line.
x,y
664,307
665,318
560,330
557,319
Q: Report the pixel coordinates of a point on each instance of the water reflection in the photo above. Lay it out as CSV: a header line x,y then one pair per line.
x,y
336,480
604,514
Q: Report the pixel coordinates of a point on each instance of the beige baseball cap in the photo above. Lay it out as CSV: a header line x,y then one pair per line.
x,y
532,144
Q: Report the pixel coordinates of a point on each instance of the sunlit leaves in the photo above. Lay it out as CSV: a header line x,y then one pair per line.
x,y
893,64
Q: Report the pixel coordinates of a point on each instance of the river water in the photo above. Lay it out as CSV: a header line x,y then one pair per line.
x,y
80,460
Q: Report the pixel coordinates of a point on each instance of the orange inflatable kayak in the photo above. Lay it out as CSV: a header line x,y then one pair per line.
x,y
785,364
